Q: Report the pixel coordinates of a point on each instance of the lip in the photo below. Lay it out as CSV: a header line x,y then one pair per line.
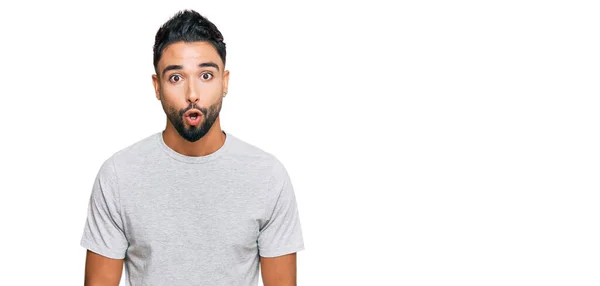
x,y
192,111
190,121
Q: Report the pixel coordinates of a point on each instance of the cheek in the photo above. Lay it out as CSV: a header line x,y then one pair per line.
x,y
209,93
170,101
174,95
170,90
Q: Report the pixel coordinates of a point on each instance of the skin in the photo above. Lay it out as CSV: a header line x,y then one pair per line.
x,y
191,76
102,271
188,86
279,271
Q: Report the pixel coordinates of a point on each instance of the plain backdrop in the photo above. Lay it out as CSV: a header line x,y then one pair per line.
x,y
429,142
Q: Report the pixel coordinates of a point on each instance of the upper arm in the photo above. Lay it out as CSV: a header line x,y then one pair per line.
x,y
281,232
102,271
104,236
280,236
279,271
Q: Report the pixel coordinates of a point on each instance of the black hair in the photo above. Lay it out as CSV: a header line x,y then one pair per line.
x,y
187,26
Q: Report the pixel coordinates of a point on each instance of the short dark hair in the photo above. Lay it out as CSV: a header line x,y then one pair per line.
x,y
187,26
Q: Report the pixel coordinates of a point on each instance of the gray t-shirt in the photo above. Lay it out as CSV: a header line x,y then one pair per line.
x,y
182,220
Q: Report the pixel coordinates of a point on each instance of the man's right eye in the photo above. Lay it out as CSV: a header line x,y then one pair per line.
x,y
175,78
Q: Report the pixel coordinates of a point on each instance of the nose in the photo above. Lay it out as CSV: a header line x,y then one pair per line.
x,y
192,95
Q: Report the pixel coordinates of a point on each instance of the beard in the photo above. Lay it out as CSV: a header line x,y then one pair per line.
x,y
193,133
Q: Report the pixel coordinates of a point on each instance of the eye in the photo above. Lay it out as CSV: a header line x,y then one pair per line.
x,y
206,76
175,78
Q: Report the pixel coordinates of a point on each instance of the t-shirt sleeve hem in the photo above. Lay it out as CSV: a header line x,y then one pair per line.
x,y
102,250
280,251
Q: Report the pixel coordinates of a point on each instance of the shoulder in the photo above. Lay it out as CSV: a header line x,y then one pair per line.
x,y
138,152
257,158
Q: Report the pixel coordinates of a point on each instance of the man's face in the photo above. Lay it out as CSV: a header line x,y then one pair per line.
x,y
190,83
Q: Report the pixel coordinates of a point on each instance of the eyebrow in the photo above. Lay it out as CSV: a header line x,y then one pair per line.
x,y
179,67
209,64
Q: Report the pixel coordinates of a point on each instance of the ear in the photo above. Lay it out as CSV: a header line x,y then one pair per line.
x,y
156,83
225,81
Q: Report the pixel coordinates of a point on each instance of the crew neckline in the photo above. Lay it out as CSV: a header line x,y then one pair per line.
x,y
193,159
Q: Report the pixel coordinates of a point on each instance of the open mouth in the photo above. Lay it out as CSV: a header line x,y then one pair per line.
x,y
193,117
194,113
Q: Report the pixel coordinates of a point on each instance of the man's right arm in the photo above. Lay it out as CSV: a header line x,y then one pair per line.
x,y
104,235
101,270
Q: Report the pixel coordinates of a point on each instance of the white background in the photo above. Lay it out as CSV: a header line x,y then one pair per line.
x,y
429,142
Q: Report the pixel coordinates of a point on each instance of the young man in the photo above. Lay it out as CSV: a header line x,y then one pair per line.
x,y
191,204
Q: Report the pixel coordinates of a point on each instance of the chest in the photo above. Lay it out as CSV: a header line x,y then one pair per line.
x,y
179,213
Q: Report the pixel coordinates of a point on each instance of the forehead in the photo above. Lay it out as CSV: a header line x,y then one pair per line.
x,y
193,53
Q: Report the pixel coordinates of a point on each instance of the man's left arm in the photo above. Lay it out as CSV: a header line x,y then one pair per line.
x,y
279,271
280,236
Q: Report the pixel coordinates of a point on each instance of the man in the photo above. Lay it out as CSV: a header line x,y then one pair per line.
x,y
191,204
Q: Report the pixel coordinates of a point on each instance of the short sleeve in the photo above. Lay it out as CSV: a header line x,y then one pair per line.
x,y
103,232
282,233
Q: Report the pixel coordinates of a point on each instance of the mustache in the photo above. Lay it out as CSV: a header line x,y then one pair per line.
x,y
193,106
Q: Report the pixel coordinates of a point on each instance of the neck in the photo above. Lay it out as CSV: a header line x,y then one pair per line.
x,y
210,143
